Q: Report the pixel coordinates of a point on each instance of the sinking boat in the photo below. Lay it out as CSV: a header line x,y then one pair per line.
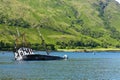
x,y
27,54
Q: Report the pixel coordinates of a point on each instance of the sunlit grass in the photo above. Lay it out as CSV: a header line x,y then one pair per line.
x,y
59,19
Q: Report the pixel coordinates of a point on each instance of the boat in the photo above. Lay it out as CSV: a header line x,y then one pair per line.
x,y
27,54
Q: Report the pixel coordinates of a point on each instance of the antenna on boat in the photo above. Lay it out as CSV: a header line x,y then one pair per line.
x,y
22,36
43,41
16,40
23,40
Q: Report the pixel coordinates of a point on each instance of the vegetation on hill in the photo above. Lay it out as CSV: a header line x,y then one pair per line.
x,y
64,24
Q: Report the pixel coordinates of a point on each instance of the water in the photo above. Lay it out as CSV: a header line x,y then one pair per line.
x,y
79,66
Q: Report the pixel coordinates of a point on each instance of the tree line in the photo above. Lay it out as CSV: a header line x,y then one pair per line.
x,y
11,46
71,44
81,44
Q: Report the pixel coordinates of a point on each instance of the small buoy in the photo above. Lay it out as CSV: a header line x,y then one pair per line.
x,y
65,56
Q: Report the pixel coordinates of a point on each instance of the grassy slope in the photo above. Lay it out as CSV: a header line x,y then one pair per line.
x,y
58,19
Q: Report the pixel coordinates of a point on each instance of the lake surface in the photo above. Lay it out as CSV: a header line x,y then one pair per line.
x,y
79,66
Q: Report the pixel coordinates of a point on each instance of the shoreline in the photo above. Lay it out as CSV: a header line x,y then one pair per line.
x,y
82,50
90,50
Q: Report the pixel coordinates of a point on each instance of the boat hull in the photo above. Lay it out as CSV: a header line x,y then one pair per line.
x,y
35,57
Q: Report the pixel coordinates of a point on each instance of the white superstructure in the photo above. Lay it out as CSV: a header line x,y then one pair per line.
x,y
21,52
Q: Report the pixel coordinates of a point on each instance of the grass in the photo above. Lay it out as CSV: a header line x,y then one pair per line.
x,y
60,20
89,50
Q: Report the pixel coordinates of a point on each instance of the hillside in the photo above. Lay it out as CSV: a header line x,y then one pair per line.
x,y
63,23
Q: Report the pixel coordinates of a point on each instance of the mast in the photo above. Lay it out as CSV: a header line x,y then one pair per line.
x,y
23,40
43,41
18,33
16,40
20,37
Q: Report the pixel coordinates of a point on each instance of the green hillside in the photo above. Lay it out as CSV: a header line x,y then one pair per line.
x,y
65,24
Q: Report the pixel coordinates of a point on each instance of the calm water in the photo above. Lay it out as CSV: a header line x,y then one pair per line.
x,y
79,66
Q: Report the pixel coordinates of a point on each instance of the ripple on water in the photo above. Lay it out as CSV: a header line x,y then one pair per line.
x,y
78,67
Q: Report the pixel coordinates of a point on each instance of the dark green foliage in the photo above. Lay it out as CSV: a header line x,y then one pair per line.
x,y
101,7
51,47
87,31
118,46
62,45
36,46
79,43
91,44
6,46
4,19
76,13
113,32
18,22
115,35
77,21
105,45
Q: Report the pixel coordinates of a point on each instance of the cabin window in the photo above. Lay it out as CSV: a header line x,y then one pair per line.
x,y
21,53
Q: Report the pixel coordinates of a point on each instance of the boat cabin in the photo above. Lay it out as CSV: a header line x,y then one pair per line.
x,y
21,52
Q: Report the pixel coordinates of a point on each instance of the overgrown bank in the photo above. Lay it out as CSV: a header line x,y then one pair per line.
x,y
52,47
65,24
